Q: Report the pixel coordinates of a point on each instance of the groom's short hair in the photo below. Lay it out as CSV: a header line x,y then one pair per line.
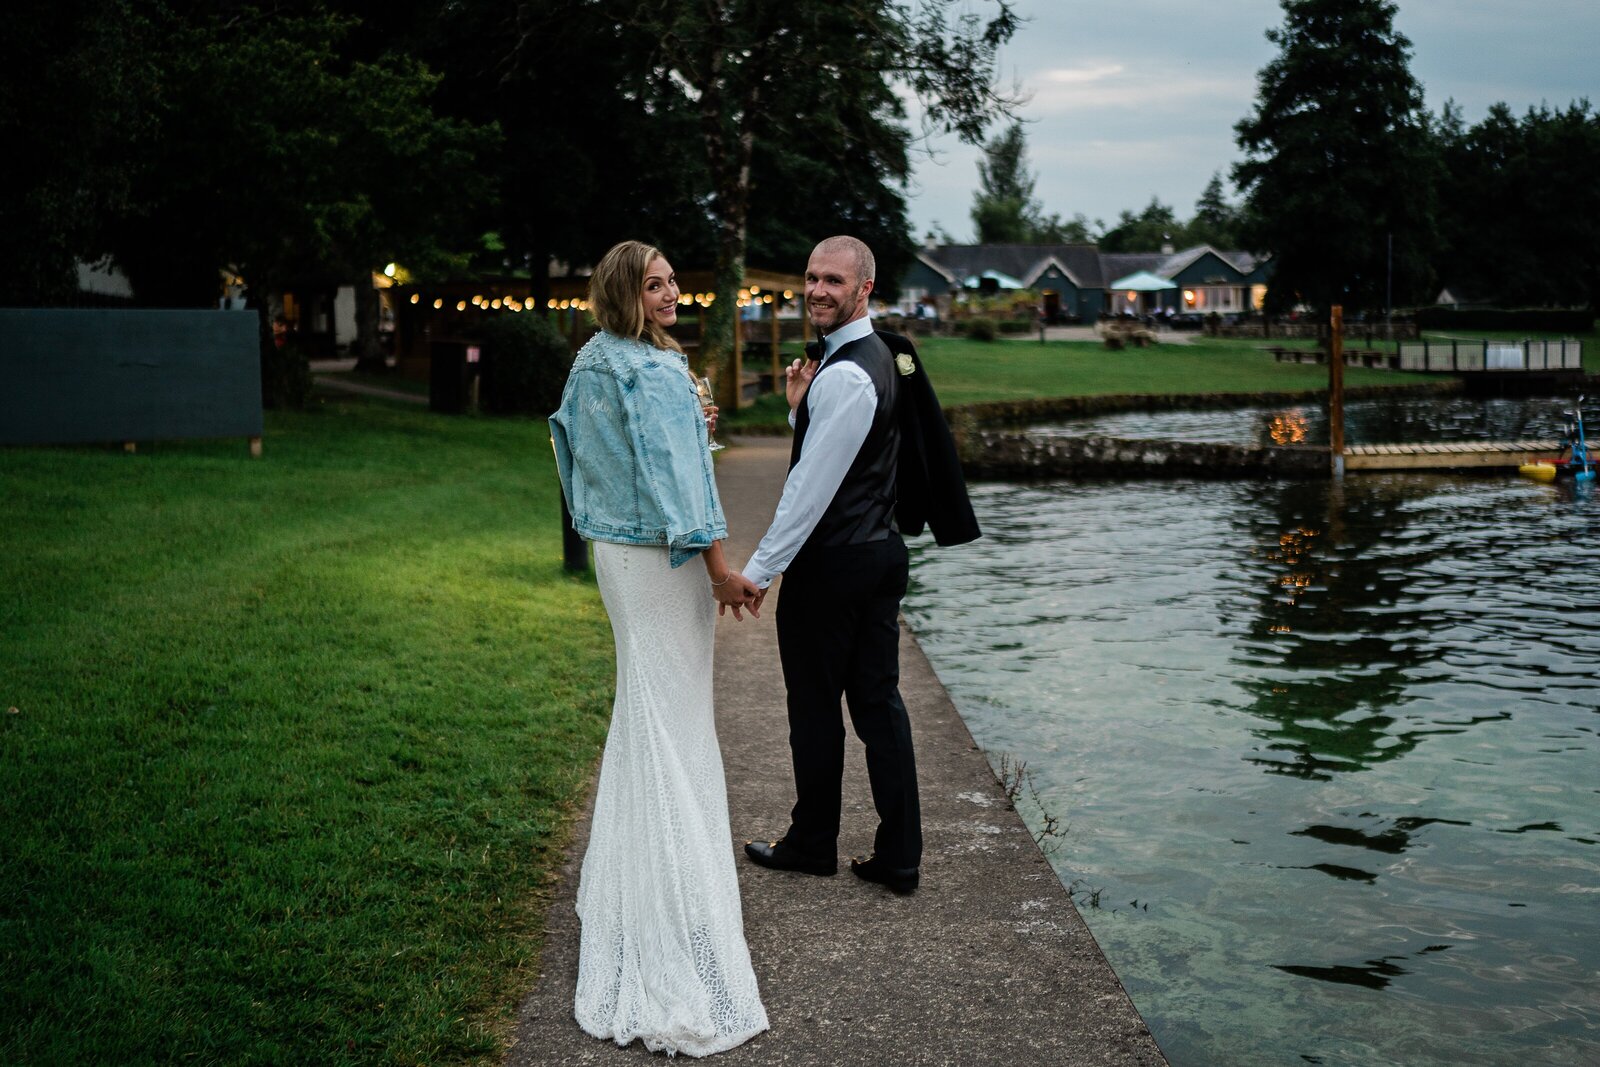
x,y
866,265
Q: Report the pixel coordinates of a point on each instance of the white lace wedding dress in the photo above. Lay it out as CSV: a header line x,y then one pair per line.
x,y
663,956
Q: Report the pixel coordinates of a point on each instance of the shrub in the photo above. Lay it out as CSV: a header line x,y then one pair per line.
x,y
523,365
982,329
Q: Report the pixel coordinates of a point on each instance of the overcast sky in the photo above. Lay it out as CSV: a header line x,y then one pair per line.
x,y
1138,98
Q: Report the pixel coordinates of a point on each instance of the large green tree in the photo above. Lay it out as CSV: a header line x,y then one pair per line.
x,y
751,70
1148,231
1520,205
1338,159
77,86
282,157
284,153
1215,222
1004,210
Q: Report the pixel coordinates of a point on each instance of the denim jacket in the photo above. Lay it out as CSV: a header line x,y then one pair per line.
x,y
630,440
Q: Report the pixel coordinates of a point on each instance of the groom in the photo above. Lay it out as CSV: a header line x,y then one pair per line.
x,y
834,537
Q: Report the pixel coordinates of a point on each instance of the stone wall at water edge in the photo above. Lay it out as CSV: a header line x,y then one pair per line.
x,y
1012,455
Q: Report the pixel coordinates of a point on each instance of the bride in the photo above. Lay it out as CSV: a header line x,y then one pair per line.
x,y
663,956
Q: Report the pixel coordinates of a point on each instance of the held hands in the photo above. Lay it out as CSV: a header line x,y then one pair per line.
x,y
711,419
738,592
797,379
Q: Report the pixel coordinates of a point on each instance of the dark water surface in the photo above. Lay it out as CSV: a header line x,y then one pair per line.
x,y
1327,755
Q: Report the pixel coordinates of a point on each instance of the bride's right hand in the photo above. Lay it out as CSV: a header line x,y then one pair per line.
x,y
738,592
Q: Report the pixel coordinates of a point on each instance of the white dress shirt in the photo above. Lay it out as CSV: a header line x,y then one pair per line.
x,y
843,402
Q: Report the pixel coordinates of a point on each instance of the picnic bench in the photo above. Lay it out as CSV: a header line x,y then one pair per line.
x,y
1119,333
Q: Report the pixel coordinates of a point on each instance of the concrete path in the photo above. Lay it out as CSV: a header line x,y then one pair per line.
x,y
323,372
988,963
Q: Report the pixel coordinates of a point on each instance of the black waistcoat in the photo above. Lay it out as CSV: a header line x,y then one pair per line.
x,y
863,508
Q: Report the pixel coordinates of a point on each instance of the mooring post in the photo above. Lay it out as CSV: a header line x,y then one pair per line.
x,y
1336,390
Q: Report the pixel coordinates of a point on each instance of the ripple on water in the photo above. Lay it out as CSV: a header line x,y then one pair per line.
x,y
1326,752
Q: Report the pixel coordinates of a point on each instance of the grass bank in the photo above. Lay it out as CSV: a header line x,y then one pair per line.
x,y
292,742
968,372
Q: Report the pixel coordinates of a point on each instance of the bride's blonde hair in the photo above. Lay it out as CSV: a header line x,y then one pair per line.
x,y
616,294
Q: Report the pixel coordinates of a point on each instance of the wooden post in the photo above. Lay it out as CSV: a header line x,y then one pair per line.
x,y
255,448
777,344
738,357
1336,390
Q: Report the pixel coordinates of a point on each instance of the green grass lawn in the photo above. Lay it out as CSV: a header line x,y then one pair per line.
x,y
967,372
292,743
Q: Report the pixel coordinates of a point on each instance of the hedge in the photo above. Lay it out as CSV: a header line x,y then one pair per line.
x,y
1546,320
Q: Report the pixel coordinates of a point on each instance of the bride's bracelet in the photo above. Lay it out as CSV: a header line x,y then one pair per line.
x,y
724,581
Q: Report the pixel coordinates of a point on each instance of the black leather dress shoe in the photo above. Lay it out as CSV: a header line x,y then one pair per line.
x,y
781,857
902,880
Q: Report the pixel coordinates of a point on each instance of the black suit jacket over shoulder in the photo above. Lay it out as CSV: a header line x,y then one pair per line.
x,y
932,490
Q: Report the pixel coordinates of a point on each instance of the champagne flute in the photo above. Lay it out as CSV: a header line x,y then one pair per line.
x,y
703,387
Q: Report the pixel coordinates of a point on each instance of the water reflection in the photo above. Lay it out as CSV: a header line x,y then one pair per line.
x,y
1339,744
1288,428
1325,680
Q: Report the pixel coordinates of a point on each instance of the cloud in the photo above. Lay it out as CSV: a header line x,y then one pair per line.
x,y
1106,85
1080,75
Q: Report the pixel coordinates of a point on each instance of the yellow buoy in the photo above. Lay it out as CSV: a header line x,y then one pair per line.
x,y
1539,472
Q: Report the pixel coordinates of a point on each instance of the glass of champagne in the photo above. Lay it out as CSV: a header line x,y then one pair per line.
x,y
703,387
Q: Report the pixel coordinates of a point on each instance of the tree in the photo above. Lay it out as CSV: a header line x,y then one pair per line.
x,y
319,167
1215,221
1518,219
77,88
1338,160
750,69
1052,230
1153,228
1003,208
574,173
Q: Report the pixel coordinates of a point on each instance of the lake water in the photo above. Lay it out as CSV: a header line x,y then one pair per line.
x,y
1326,755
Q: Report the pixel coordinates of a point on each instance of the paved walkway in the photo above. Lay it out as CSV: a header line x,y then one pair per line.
x,y
322,371
1089,333
988,963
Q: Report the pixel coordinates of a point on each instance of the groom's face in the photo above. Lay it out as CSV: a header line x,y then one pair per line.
x,y
835,294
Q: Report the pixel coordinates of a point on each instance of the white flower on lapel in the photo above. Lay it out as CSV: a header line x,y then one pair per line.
x,y
904,365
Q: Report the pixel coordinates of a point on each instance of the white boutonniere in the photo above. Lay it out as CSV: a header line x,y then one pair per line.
x,y
904,365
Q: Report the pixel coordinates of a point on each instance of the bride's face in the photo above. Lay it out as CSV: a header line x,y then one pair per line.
x,y
660,296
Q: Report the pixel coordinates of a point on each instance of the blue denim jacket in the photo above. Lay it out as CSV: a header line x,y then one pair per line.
x,y
630,441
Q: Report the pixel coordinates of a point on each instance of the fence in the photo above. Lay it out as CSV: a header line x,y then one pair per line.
x,y
1466,356
1365,332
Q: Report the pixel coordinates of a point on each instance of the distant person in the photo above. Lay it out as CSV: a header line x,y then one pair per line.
x,y
662,955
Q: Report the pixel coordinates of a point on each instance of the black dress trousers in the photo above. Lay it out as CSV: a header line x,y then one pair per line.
x,y
839,635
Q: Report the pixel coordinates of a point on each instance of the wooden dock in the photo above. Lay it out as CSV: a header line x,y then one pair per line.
x,y
1457,455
